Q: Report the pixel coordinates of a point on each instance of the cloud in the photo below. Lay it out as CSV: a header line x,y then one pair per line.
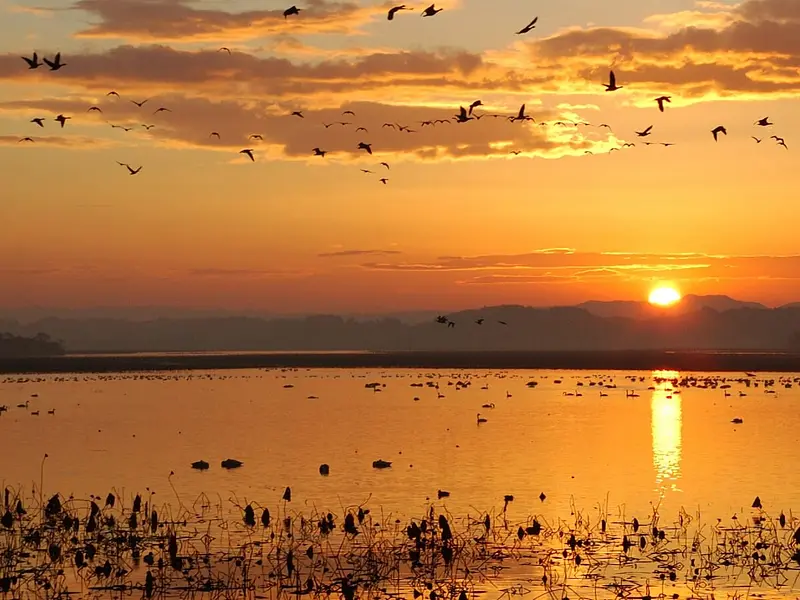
x,y
244,273
341,253
181,21
76,142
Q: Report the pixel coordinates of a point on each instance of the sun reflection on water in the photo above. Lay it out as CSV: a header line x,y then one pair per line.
x,y
666,427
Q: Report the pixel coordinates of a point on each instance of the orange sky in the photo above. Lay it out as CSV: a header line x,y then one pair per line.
x,y
461,221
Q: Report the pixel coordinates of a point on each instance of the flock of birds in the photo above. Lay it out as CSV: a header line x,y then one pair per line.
x,y
464,114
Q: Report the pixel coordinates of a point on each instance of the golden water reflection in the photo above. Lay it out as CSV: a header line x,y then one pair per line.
x,y
666,427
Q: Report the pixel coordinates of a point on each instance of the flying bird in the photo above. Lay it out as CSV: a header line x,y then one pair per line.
x,y
25,139
139,104
612,86
148,127
528,27
462,117
515,152
394,10
297,113
661,101
758,141
255,136
33,63
645,133
95,108
385,164
162,109
764,122
133,171
363,146
361,129
474,105
291,11
39,121
367,171
62,119
56,63
249,152
383,180
782,143
318,152
521,116
214,134
228,50
348,112
717,130
606,125
112,93
431,11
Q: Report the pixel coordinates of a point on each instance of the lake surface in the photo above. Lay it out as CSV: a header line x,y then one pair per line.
x,y
667,446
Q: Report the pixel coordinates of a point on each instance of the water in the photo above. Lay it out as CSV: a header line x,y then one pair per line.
x,y
662,448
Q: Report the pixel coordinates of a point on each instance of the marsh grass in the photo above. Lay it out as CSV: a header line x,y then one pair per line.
x,y
136,547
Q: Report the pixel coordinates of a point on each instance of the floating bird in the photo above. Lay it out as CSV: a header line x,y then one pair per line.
x,y
645,133
764,122
291,11
480,419
381,464
56,63
364,146
612,86
393,11
39,121
62,119
528,27
133,171
661,101
200,465
231,463
717,130
318,152
33,63
249,152
431,11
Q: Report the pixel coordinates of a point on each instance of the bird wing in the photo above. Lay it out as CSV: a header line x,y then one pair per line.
x,y
48,63
532,23
648,129
612,79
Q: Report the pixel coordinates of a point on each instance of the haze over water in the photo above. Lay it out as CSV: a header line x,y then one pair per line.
x,y
676,449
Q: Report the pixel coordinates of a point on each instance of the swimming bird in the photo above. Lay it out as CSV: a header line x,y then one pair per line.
x,y
480,419
758,141
645,133
431,11
231,463
94,108
33,63
318,152
133,171
324,469
612,86
56,63
62,119
249,152
717,130
293,10
25,139
394,10
528,27
474,105
162,109
385,164
297,113
200,465
365,146
661,101
39,121
764,122
228,50
384,180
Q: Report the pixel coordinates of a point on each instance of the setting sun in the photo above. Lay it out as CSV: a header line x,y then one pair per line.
x,y
664,296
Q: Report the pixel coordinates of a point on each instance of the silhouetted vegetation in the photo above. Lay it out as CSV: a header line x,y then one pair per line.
x,y
14,346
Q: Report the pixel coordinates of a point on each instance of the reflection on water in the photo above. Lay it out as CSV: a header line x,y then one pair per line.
x,y
666,428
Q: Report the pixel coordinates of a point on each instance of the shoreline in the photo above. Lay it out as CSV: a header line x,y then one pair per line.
x,y
699,361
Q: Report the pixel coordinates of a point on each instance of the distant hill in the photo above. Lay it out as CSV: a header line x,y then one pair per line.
x,y
14,346
751,327
645,310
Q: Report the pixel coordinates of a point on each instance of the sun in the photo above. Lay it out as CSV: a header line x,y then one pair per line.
x,y
664,296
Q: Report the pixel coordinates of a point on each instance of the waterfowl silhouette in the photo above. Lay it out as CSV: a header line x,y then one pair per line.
x,y
94,108
25,139
324,469
365,146
231,463
319,152
646,132
255,136
764,122
385,164
661,101
292,10
161,109
717,130
431,11
612,86
112,93
528,27
462,116
148,127
758,141
362,129
33,63
248,152
442,494
56,63
348,112
474,105
297,113
39,121
381,464
62,119
394,10
521,116
224,48
200,465
133,171
480,419
139,104
384,180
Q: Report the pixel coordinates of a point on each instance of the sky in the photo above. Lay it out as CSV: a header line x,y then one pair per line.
x,y
479,213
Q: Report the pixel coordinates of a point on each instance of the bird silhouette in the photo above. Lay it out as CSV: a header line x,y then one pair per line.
x,y
139,104
528,27
249,152
364,146
431,11
646,132
764,122
94,108
33,63
394,10
521,116
462,116
385,164
348,112
612,86
661,101
293,10
25,139
39,121
297,113
758,141
56,63
255,136
474,105
148,127
62,119
717,130
367,171
162,109
319,152
361,129
606,125
112,93
384,180
133,171
214,134
224,48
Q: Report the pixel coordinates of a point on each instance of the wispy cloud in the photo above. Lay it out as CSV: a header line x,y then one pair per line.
x,y
344,253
